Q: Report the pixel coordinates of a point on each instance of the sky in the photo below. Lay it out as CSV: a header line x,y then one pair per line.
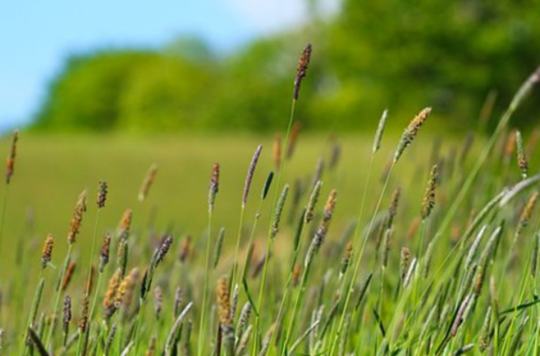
x,y
37,36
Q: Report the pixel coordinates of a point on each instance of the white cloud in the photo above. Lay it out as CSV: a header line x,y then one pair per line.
x,y
267,16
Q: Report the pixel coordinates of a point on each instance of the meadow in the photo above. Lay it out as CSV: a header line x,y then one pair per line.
x,y
369,244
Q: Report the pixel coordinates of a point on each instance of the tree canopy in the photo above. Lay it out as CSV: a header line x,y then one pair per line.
x,y
370,56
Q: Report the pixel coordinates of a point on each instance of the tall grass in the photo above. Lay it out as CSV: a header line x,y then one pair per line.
x,y
451,273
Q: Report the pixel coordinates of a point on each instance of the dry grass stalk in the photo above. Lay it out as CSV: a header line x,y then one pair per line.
x,y
301,70
46,254
147,183
10,163
76,220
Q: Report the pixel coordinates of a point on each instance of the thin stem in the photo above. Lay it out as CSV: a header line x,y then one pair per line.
x,y
205,288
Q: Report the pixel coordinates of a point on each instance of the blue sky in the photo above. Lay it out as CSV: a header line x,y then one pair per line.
x,y
36,36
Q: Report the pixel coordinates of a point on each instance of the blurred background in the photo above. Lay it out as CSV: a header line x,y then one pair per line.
x,y
104,89
228,65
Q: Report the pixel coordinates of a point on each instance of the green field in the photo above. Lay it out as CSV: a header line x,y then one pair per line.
x,y
405,309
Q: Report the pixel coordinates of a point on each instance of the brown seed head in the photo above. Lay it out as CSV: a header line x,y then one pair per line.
x,y
330,205
124,294
104,252
47,251
125,224
76,220
392,211
66,313
147,183
163,249
185,249
102,194
223,302
527,210
83,322
151,347
214,186
10,163
523,163
410,132
110,293
346,258
301,70
405,262
68,275
429,198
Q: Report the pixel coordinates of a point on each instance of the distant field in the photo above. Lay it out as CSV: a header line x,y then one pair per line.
x,y
51,171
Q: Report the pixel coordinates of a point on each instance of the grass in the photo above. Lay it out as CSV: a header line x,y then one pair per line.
x,y
459,279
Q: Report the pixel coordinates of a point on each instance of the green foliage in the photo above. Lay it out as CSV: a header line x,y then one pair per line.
x,y
445,54
371,56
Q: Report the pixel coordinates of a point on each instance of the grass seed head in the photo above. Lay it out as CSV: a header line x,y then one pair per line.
x,y
10,163
250,173
66,314
46,254
301,70
405,262
102,194
125,224
76,220
68,275
429,198
523,163
125,292
214,187
223,302
104,252
410,132
110,293
147,183
83,322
